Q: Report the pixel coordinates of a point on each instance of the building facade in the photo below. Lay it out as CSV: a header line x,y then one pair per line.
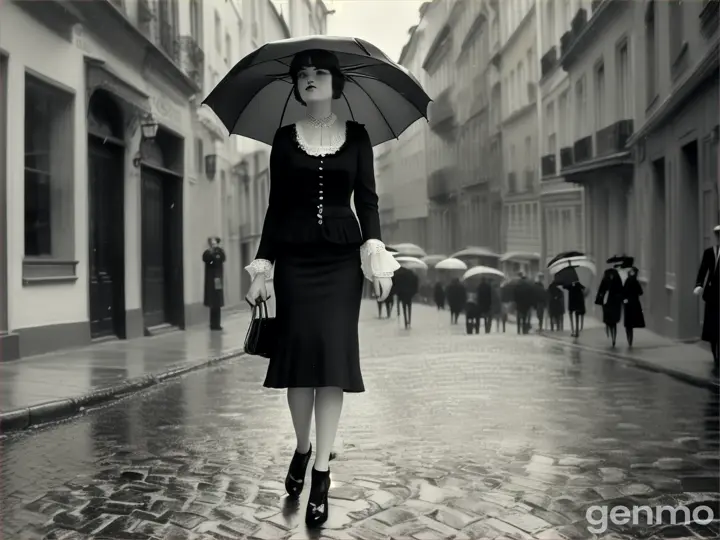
x,y
561,203
518,62
675,155
596,53
98,236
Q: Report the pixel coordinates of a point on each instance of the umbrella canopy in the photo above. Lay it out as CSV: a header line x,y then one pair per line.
x,y
256,98
451,264
564,255
479,272
409,250
411,262
475,251
622,260
571,269
432,260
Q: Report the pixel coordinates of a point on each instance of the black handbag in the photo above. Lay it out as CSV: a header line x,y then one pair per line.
x,y
261,334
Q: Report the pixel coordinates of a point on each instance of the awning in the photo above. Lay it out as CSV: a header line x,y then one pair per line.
x,y
519,256
621,163
101,76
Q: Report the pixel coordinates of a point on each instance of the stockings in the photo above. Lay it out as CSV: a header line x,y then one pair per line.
x,y
327,403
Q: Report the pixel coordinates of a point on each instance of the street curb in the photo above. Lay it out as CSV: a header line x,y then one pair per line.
x,y
702,382
51,411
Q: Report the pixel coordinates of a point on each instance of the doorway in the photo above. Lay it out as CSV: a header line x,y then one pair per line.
x,y
3,197
690,314
106,223
161,229
658,270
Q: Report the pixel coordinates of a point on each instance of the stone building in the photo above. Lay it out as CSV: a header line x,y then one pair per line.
x,y
101,230
675,154
561,203
517,60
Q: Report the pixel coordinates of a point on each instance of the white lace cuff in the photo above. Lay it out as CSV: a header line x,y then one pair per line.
x,y
260,266
375,261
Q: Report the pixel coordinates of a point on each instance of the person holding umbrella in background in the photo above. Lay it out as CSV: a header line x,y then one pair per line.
x,y
457,298
541,300
707,283
322,103
556,307
439,296
406,285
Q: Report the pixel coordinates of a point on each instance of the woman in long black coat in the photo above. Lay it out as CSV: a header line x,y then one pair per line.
x,y
439,296
633,313
576,305
214,259
610,296
556,306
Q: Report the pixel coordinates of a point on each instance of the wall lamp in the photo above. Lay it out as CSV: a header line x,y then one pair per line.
x,y
242,170
211,166
149,129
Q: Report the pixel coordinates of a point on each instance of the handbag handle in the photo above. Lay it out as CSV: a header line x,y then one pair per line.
x,y
260,307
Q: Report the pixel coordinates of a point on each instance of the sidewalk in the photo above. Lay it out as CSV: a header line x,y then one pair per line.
x,y
48,387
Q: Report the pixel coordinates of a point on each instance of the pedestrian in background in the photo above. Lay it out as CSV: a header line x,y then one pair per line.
x,y
484,301
497,308
406,285
541,300
439,296
576,307
456,297
707,283
214,298
388,303
524,293
472,313
610,296
556,307
632,308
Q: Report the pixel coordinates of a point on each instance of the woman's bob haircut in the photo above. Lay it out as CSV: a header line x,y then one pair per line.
x,y
319,59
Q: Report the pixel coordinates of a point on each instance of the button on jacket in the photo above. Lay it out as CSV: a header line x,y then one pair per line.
x,y
310,195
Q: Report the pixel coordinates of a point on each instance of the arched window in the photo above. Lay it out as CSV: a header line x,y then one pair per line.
x,y
105,118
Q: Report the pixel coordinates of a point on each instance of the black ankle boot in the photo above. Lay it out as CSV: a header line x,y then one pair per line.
x,y
295,478
317,508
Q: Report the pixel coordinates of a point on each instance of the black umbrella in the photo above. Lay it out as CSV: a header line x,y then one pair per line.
x,y
255,97
625,261
564,255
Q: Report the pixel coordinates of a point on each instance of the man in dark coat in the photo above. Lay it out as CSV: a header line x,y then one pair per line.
x,y
457,298
541,300
406,284
556,306
524,301
439,296
485,303
214,259
708,283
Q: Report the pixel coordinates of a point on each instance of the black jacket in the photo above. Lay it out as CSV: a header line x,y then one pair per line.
x,y
214,260
309,199
708,276
405,284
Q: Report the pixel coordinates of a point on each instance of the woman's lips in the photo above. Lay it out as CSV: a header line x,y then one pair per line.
x,y
311,87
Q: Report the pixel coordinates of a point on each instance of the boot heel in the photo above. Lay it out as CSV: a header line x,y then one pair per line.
x,y
317,509
295,479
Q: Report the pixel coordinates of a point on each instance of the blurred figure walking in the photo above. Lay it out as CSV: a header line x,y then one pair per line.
x,y
214,259
524,300
439,296
707,283
406,285
472,313
484,302
541,300
497,308
556,307
633,313
457,298
576,307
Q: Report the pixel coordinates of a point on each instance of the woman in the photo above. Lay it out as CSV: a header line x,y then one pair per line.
x,y
556,307
633,313
576,306
610,297
317,253
214,259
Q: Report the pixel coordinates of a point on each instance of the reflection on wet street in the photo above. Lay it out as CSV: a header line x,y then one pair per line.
x,y
498,436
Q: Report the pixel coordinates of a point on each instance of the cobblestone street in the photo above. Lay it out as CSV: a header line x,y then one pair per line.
x,y
490,436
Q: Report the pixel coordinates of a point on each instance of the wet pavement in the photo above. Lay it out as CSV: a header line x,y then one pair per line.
x,y
498,436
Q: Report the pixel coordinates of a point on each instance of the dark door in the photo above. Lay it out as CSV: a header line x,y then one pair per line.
x,y
154,249
105,198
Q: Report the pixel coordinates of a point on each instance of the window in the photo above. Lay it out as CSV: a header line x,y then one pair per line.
x,y
624,96
218,32
676,29
600,97
196,21
550,128
650,53
563,119
228,49
580,112
48,170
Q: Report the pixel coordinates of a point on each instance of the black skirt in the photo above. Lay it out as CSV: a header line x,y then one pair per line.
x,y
318,289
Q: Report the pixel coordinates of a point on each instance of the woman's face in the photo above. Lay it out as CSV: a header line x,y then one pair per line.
x,y
314,84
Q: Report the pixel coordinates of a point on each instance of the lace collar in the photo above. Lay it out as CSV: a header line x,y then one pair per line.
x,y
335,144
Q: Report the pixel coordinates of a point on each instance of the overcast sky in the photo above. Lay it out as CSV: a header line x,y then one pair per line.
x,y
384,23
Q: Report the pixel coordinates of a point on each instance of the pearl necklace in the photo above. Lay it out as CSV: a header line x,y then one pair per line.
x,y
322,122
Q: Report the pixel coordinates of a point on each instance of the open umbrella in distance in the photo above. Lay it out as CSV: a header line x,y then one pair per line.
x,y
409,250
451,264
479,272
413,263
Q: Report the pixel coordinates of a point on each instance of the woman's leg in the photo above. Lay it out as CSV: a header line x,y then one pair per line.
x,y
629,334
301,401
328,406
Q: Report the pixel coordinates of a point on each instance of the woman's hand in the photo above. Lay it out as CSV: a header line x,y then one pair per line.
x,y
382,286
258,289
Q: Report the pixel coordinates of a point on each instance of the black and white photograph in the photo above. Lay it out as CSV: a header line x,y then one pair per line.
x,y
359,269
